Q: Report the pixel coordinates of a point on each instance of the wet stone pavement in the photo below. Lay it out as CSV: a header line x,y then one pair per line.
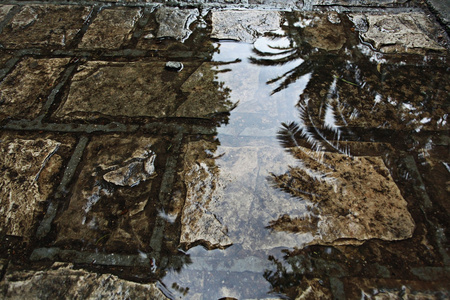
x,y
224,150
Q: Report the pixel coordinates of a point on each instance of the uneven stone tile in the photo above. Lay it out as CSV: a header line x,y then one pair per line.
x,y
175,22
111,29
350,194
323,31
244,26
24,91
4,10
43,26
29,169
244,201
229,199
110,89
400,33
376,3
107,207
64,281
206,95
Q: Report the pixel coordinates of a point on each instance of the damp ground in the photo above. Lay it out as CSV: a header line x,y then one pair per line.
x,y
275,150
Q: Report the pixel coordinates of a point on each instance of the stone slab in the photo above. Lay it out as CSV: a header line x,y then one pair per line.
x,y
64,281
175,22
244,26
29,168
399,33
25,89
350,196
44,26
241,195
109,207
143,89
369,3
111,28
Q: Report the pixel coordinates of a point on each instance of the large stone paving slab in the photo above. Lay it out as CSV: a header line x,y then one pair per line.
x,y
111,28
245,26
399,33
24,91
109,207
64,281
44,26
30,168
262,198
143,89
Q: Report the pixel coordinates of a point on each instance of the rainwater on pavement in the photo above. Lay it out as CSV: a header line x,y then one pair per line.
x,y
223,152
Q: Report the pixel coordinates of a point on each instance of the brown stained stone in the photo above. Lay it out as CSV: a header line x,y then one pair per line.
x,y
107,205
111,29
175,22
24,91
324,31
112,89
245,26
43,26
206,96
28,171
229,199
400,33
355,199
62,280
4,58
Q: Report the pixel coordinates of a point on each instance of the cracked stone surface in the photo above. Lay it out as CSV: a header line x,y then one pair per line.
x,y
111,28
62,280
350,196
400,33
29,168
108,204
244,26
37,78
175,23
43,26
122,89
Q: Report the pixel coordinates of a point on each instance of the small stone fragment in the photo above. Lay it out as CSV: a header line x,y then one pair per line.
x,y
174,66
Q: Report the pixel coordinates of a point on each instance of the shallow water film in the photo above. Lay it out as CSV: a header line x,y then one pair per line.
x,y
208,152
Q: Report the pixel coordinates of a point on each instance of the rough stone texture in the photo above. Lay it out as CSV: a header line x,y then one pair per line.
x,y
206,95
107,206
137,89
63,281
28,171
323,31
400,33
175,23
37,77
43,26
355,199
229,199
245,26
111,29
4,10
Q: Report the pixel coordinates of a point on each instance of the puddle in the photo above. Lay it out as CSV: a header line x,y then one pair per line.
x,y
301,151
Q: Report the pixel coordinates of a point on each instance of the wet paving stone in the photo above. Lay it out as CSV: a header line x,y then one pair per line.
x,y
37,77
406,32
62,280
243,26
175,23
30,167
111,28
112,204
43,26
